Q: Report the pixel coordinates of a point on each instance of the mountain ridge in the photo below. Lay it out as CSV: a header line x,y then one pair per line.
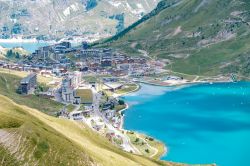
x,y
199,37
57,19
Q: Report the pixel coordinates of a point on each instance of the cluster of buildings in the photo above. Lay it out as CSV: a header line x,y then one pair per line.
x,y
44,71
110,113
51,57
79,115
58,59
75,115
106,61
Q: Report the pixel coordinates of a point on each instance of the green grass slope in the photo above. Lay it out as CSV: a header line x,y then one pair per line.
x,y
30,137
24,139
200,37
8,86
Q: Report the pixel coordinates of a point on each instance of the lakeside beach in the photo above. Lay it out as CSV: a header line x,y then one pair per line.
x,y
176,132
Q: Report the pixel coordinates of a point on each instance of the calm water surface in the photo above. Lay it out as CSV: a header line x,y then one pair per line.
x,y
199,124
31,47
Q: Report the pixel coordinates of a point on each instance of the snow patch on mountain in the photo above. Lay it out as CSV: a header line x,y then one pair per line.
x,y
115,3
136,11
72,8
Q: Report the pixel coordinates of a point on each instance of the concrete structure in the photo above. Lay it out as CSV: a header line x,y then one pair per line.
x,y
112,86
76,77
28,84
67,91
69,84
67,94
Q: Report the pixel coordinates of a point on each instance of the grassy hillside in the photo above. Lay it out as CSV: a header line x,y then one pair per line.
x,y
40,78
200,37
29,137
13,54
8,86
28,140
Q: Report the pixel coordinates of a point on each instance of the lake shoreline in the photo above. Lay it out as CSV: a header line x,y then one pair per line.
x,y
140,86
219,88
126,131
127,107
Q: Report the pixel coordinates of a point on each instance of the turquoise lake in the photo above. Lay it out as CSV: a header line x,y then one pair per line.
x,y
31,47
205,123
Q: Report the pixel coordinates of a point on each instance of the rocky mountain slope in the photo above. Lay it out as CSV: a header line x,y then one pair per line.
x,y
200,37
61,18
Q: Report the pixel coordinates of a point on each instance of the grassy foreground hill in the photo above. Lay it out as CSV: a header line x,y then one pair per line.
x,y
200,37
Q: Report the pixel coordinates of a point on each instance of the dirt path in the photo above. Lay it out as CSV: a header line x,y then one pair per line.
x,y
6,81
